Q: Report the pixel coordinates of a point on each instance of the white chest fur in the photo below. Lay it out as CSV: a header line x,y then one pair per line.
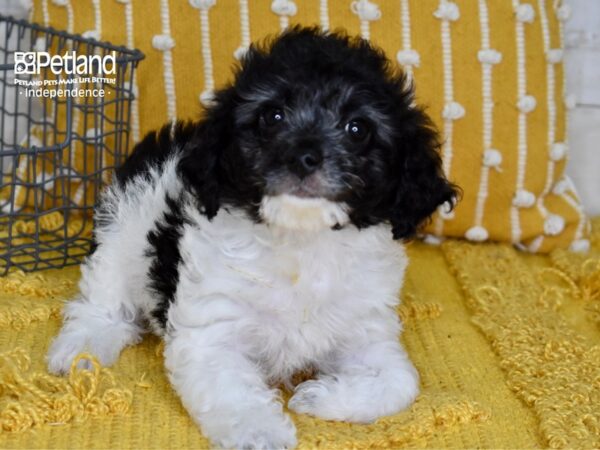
x,y
290,297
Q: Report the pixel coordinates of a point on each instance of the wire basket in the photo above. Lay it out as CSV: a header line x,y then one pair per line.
x,y
57,148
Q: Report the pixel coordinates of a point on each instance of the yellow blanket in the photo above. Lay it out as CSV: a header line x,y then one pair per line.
x,y
507,345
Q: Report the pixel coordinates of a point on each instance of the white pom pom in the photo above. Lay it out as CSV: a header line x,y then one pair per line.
x,y
92,133
447,215
240,52
446,212
40,45
527,103
525,13
453,111
477,234
554,225
570,101
163,42
284,7
91,34
34,141
558,151
447,11
489,56
408,58
580,246
207,98
60,2
432,239
523,199
560,187
492,158
563,13
202,4
366,10
554,55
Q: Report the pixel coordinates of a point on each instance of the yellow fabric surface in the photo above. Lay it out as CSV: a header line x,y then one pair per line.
x,y
189,48
507,346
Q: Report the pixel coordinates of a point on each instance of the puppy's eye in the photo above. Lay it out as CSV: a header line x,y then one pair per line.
x,y
358,130
273,116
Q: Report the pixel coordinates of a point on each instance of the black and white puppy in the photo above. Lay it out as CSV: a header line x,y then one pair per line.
x,y
258,242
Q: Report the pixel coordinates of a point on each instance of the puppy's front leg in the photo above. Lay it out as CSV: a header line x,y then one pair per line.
x,y
224,392
362,385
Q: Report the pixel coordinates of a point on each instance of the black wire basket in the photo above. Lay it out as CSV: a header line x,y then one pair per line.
x,y
60,139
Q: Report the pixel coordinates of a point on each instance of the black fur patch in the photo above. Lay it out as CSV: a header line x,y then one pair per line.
x,y
164,251
150,152
154,149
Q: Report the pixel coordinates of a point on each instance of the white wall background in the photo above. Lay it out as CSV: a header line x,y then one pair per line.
x,y
583,81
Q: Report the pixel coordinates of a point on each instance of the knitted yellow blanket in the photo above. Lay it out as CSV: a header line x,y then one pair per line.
x,y
507,345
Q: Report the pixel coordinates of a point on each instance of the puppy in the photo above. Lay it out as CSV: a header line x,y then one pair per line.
x,y
258,242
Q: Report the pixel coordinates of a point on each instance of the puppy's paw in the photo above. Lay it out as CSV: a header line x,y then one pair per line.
x,y
355,398
255,431
104,346
316,398
62,352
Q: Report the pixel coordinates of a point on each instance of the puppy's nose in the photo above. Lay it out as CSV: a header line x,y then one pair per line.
x,y
306,163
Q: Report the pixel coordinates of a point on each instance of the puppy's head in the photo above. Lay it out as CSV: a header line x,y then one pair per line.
x,y
317,131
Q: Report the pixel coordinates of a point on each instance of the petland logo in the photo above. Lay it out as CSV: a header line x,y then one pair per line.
x,y
32,63
68,75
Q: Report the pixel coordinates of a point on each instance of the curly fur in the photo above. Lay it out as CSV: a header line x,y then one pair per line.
x,y
257,242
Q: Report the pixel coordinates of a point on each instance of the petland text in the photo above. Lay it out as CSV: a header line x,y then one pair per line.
x,y
32,63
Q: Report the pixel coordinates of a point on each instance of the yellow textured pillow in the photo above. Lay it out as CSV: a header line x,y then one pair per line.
x,y
489,72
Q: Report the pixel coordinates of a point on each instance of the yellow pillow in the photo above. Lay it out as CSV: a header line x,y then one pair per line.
x,y
489,72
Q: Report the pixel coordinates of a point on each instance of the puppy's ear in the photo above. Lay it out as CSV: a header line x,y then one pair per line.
x,y
420,184
201,165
